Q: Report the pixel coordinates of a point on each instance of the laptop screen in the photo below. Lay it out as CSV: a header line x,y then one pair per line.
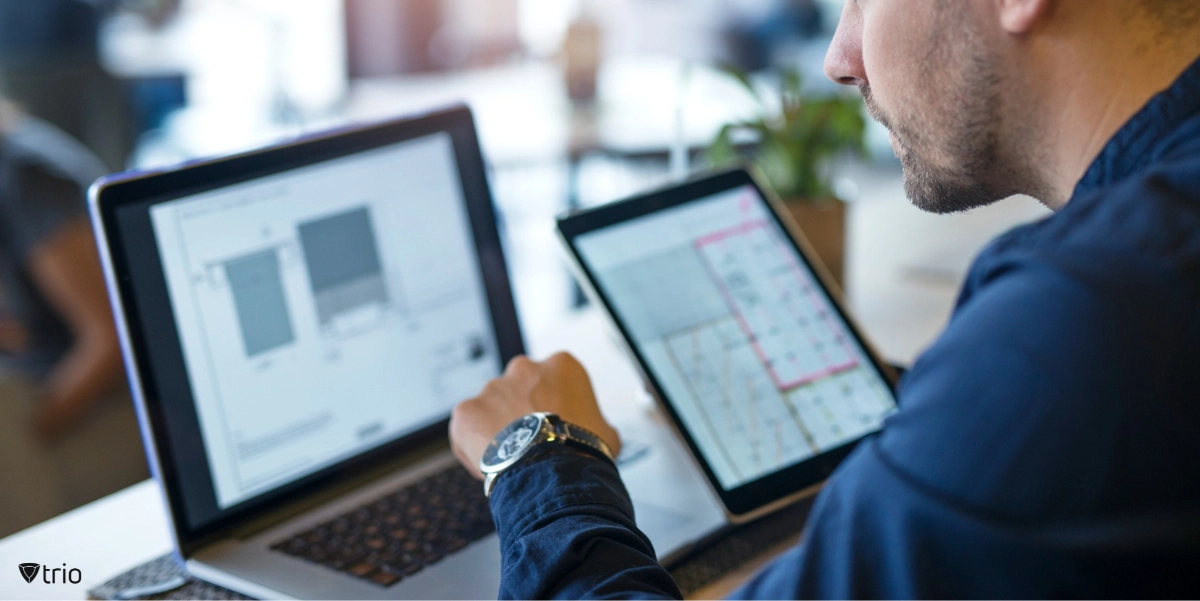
x,y
325,310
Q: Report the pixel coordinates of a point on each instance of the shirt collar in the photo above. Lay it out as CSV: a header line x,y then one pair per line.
x,y
1141,140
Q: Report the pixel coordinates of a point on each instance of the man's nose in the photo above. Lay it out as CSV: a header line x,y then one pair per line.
x,y
843,62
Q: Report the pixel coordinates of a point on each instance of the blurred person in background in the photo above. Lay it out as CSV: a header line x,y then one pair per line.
x,y
68,433
50,64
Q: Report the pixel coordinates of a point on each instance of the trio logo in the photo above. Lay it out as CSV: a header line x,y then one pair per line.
x,y
29,571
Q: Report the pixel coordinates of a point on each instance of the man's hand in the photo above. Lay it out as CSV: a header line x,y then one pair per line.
x,y
557,385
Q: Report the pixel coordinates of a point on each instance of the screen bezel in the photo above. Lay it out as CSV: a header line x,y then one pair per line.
x,y
153,352
789,481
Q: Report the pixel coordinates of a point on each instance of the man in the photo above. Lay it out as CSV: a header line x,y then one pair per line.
x,y
1047,444
68,434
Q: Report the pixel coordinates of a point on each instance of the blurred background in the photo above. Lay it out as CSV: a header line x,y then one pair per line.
x,y
578,102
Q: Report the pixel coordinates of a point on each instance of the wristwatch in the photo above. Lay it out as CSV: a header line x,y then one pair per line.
x,y
518,438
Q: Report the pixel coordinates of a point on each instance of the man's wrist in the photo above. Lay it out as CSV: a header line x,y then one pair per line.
x,y
550,478
547,451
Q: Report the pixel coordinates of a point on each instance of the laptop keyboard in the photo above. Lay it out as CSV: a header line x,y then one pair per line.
x,y
401,533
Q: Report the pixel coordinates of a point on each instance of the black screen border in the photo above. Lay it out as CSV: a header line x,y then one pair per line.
x,y
120,210
788,481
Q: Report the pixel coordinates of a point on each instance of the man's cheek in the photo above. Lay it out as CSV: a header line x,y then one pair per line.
x,y
895,39
879,56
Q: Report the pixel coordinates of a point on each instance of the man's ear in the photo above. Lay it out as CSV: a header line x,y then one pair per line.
x,y
1022,16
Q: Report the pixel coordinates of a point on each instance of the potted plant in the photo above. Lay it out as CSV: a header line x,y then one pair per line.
x,y
790,143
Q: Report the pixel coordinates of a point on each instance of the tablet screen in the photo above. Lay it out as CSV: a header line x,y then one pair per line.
x,y
748,348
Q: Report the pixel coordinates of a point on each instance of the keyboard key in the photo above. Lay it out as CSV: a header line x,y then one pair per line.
x,y
385,578
343,561
398,534
362,569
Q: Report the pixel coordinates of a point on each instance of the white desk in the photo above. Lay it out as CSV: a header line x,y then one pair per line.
x,y
102,539
903,274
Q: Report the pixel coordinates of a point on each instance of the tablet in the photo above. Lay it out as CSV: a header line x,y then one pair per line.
x,y
737,333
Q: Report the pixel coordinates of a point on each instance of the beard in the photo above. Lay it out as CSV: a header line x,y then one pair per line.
x,y
950,145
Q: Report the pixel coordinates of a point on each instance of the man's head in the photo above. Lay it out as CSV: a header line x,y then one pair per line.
x,y
985,98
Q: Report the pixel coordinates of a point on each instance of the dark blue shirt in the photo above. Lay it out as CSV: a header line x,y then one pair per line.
x,y
1047,445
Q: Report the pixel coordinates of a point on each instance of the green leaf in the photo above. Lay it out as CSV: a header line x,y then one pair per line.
x,y
795,142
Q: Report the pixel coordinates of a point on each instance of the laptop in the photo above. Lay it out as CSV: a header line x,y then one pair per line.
x,y
297,324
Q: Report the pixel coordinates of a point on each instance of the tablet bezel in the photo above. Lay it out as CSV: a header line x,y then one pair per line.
x,y
774,490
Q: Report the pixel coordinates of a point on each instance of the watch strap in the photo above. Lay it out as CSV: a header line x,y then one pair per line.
x,y
584,437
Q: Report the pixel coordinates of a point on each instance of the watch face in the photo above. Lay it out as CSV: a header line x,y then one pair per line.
x,y
511,442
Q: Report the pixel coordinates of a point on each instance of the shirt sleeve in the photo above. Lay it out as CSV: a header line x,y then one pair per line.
x,y
567,531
